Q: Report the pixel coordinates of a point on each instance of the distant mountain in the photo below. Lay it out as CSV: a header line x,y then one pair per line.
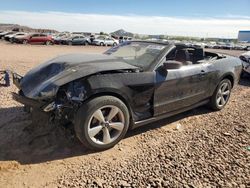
x,y
122,32
16,27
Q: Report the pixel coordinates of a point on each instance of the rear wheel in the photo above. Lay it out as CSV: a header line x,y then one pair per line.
x,y
221,95
101,44
25,41
115,44
102,122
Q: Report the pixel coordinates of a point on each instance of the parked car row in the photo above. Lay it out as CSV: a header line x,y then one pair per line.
x,y
62,39
27,38
227,46
212,44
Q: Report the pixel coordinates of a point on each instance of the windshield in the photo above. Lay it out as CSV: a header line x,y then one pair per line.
x,y
139,54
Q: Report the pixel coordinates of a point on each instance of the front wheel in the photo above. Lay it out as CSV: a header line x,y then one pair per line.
x,y
102,122
221,95
48,43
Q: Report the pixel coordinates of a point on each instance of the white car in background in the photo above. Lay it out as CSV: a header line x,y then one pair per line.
x,y
245,57
105,41
12,36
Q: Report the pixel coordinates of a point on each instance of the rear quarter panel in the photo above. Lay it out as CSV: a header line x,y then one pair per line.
x,y
228,66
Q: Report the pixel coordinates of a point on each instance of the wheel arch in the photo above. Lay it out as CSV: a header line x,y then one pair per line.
x,y
230,77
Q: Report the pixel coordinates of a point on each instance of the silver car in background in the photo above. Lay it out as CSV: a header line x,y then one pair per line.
x,y
12,37
105,41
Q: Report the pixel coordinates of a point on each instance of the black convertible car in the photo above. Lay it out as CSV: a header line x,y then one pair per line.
x,y
132,84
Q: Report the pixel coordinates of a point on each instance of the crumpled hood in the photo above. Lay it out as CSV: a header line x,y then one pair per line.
x,y
44,80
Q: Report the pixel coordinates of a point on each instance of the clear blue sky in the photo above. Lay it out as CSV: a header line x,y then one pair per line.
x,y
204,18
183,8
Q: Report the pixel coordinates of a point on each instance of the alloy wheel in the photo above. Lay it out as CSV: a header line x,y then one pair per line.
x,y
223,94
106,125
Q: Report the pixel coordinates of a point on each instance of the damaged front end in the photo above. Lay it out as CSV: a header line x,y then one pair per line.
x,y
60,108
58,87
67,101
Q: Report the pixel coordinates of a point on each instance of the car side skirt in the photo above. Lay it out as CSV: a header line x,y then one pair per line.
x,y
169,114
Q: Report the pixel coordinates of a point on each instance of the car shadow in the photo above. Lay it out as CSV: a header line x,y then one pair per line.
x,y
166,121
30,143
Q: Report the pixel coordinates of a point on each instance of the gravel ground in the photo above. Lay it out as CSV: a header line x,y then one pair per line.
x,y
199,148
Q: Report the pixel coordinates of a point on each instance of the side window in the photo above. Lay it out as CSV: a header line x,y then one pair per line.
x,y
35,35
171,55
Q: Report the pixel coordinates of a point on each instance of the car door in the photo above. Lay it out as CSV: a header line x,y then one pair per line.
x,y
108,41
180,88
81,40
75,40
42,38
34,38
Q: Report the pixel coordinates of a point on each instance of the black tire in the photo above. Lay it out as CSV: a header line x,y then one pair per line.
x,y
84,117
101,44
115,44
213,101
48,43
27,109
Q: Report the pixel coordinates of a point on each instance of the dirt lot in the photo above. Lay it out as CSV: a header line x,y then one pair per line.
x,y
199,148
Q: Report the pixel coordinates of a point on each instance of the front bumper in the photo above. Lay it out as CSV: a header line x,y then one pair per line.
x,y
17,40
96,43
26,101
246,67
20,97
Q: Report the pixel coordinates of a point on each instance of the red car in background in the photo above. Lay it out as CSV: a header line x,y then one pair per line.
x,y
35,39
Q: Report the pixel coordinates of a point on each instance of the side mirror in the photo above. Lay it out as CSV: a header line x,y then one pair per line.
x,y
172,65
